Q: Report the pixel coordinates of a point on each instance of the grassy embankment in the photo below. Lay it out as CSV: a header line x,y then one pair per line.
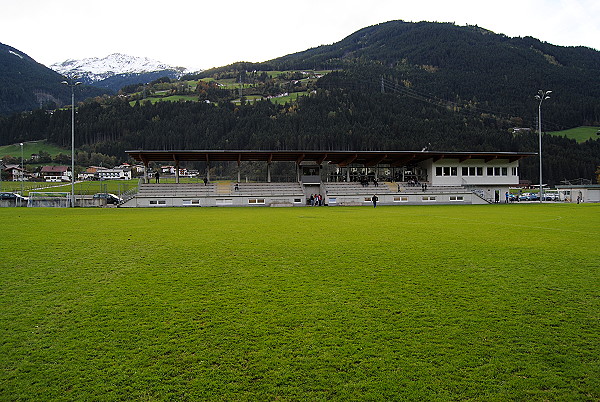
x,y
494,302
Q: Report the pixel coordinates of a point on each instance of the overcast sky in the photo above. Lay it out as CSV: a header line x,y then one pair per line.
x,y
204,34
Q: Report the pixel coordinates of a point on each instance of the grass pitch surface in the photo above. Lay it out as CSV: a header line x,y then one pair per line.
x,y
489,302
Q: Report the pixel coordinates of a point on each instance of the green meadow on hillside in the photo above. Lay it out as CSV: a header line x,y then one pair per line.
x,y
579,134
490,303
29,148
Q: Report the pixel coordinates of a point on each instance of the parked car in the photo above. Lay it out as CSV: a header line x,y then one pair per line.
x,y
524,197
12,196
109,197
550,197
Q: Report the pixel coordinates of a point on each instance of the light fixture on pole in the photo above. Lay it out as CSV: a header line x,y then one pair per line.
x,y
22,168
72,84
541,95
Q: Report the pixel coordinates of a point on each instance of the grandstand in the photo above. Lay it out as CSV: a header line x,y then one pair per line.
x,y
340,177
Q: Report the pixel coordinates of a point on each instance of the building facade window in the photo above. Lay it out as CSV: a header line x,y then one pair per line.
x,y
401,198
472,171
497,171
446,171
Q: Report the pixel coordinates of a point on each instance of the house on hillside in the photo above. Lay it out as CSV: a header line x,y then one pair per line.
x,y
16,173
88,174
113,174
139,168
56,173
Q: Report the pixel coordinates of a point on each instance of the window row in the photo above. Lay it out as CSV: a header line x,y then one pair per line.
x,y
474,171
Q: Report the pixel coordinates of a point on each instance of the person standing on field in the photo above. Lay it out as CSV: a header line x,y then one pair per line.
x,y
374,199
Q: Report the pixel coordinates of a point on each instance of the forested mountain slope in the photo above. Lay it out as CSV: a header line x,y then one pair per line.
x,y
470,65
26,84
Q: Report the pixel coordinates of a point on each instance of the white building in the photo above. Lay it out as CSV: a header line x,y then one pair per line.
x,y
579,193
56,173
113,174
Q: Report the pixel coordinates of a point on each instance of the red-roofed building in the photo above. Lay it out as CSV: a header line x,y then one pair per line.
x,y
56,173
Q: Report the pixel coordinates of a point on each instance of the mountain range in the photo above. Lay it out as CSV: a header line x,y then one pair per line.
x,y
117,70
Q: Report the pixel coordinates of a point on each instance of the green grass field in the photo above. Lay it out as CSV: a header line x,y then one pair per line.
x,y
486,303
579,134
81,187
30,147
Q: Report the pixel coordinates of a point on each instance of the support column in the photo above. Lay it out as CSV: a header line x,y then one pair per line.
x,y
208,172
268,172
145,172
177,172
347,174
239,172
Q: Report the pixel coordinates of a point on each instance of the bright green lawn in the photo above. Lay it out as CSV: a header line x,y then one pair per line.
x,y
487,303
579,134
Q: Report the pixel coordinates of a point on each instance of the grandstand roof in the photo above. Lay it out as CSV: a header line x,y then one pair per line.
x,y
340,158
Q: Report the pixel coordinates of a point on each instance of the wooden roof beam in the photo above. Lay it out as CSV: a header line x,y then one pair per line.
x,y
490,158
402,161
321,159
376,161
300,158
464,158
348,160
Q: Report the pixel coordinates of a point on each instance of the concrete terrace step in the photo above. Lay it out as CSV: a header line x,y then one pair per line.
x,y
267,189
334,188
176,189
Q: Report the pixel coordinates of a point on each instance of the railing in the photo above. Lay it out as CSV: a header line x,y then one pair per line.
x,y
476,191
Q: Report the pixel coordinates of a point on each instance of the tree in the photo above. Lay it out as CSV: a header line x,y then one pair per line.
x,y
44,157
62,159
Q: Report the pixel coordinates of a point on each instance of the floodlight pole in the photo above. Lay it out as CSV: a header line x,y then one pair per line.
x,y
541,95
22,168
72,85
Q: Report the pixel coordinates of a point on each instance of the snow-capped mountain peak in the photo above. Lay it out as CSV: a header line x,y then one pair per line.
x,y
96,69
